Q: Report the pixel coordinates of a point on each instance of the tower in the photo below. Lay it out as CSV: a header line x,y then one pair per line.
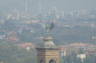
x,y
48,52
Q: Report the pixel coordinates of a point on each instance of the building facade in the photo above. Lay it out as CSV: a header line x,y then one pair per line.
x,y
48,53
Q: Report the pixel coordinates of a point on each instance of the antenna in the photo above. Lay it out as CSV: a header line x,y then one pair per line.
x,y
25,6
40,6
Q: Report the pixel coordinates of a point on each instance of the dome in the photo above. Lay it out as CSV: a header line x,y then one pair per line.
x,y
47,42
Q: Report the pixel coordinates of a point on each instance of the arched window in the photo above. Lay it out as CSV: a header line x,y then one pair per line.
x,y
52,61
41,61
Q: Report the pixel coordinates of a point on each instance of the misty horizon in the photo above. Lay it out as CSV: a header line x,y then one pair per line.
x,y
43,6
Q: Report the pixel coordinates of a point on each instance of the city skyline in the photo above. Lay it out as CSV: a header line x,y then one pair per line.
x,y
42,6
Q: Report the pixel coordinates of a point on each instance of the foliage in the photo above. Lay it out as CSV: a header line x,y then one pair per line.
x,y
11,53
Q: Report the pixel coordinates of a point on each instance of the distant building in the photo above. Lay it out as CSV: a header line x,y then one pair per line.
x,y
2,35
79,48
12,36
28,46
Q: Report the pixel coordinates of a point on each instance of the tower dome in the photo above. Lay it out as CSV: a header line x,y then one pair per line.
x,y
48,42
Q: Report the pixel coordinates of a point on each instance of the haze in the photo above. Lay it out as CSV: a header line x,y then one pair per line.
x,y
37,6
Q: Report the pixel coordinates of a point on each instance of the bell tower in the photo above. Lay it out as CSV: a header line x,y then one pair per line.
x,y
48,52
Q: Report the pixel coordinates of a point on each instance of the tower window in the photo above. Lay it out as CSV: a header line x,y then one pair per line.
x,y
52,61
41,61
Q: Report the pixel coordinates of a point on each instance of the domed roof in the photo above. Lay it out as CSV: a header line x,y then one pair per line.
x,y
47,42
47,38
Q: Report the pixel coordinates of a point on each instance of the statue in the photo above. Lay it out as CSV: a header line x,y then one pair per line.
x,y
49,27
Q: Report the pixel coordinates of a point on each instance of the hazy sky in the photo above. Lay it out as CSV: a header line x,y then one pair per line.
x,y
35,5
